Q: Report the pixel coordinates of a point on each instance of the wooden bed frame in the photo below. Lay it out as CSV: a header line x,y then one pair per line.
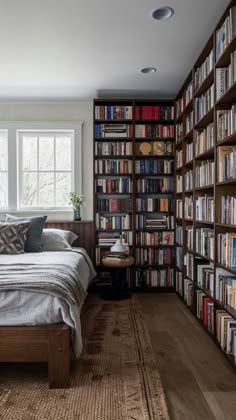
x,y
49,343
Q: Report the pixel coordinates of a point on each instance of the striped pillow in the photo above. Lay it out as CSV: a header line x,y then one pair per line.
x,y
13,237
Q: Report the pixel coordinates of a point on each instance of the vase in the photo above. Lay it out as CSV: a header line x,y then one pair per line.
x,y
77,214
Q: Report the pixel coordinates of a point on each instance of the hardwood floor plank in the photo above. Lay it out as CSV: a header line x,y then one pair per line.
x,y
198,380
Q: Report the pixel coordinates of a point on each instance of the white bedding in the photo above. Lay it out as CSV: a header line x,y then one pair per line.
x,y
19,307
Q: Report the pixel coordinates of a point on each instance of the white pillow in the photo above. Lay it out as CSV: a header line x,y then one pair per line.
x,y
57,239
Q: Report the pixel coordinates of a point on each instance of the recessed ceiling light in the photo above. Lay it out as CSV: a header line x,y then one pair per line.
x,y
148,70
163,13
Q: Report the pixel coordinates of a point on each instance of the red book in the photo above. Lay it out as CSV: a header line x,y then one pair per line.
x,y
205,310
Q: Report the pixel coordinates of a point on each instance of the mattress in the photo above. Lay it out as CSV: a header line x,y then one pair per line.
x,y
20,307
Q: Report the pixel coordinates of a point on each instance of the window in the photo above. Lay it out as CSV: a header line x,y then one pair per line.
x,y
40,163
45,168
3,168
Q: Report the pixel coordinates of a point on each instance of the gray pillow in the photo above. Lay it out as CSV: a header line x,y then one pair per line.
x,y
13,237
34,235
57,239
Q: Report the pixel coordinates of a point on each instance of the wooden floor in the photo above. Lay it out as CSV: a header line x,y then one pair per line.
x,y
199,382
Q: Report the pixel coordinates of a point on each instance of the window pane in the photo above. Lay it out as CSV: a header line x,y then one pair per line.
x,y
63,153
3,189
46,189
46,153
63,188
29,189
3,150
29,153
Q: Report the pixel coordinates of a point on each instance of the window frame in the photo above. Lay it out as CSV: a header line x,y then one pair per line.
x,y
14,127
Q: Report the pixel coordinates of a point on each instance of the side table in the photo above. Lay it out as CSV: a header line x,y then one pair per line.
x,y
119,277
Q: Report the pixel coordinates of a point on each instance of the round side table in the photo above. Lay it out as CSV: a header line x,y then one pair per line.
x,y
119,277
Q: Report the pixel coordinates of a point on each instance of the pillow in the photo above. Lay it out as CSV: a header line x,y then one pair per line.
x,y
13,237
34,235
57,239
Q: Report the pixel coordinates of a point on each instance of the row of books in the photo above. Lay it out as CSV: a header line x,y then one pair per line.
x,y
179,183
178,257
155,238
179,234
205,242
153,167
204,70
227,290
204,103
189,152
114,185
152,185
158,148
114,205
226,32
113,130
226,122
179,208
113,112
226,332
152,256
154,204
154,278
204,208
205,310
228,210
153,112
161,222
204,139
188,292
205,276
189,122
226,157
186,97
188,208
154,131
178,133
189,237
204,174
113,222
226,248
179,158
188,180
189,263
179,282
107,239
114,148
113,166
226,77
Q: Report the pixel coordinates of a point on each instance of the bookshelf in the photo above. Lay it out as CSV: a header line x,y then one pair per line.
x,y
205,191
133,187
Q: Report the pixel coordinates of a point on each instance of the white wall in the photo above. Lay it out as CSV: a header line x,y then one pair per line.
x,y
61,111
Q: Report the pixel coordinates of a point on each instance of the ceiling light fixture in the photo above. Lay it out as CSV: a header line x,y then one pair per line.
x,y
147,70
163,13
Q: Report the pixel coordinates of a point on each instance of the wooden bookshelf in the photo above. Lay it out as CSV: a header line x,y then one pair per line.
x,y
205,231
144,216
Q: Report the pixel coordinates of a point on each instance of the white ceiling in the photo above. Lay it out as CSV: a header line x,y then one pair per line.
x,y
83,49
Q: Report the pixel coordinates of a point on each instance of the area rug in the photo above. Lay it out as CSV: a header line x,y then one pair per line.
x,y
115,378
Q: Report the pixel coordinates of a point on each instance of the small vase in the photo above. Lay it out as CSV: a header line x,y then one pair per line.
x,y
77,214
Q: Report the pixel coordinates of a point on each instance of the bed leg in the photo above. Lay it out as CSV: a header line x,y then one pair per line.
x,y
59,357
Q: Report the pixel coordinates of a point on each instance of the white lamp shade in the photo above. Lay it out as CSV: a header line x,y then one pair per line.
x,y
120,247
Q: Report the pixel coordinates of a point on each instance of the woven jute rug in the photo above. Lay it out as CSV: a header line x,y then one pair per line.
x,y
115,378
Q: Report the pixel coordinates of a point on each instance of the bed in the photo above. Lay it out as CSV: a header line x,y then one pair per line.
x,y
40,316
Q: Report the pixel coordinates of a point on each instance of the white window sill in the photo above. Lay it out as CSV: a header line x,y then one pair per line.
x,y
52,214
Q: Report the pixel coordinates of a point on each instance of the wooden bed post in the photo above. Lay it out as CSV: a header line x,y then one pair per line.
x,y
59,356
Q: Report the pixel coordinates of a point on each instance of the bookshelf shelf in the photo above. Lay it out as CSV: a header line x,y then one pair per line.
x,y
206,120
142,172
207,283
206,84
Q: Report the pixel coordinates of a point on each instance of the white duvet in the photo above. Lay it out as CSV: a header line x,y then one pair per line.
x,y
30,308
